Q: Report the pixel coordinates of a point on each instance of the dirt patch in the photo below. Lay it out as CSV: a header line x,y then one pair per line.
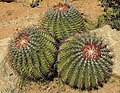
x,y
14,16
113,86
90,8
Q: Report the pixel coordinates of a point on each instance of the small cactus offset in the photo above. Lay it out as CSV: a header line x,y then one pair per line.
x,y
84,62
32,54
62,20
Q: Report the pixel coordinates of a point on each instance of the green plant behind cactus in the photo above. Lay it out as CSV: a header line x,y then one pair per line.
x,y
84,62
32,54
62,20
112,10
115,23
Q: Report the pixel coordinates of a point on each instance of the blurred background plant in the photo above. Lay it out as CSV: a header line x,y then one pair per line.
x,y
112,13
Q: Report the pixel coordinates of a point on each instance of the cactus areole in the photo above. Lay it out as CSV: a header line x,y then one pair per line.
x,y
22,40
61,7
91,50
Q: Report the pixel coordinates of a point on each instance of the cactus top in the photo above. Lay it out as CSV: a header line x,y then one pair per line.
x,y
61,7
22,40
91,50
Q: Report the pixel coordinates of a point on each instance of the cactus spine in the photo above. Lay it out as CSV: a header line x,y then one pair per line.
x,y
32,54
84,61
62,20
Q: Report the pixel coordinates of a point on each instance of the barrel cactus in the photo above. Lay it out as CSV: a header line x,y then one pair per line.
x,y
62,20
32,54
84,61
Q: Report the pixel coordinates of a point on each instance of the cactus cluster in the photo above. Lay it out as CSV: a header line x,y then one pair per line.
x,y
62,20
32,54
84,61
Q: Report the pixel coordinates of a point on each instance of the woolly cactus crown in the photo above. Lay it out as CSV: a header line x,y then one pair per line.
x,y
61,7
32,54
84,61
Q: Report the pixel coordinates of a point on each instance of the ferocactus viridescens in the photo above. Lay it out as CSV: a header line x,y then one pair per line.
x,y
62,19
84,61
32,54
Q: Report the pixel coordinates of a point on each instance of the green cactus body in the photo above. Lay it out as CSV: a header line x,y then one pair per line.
x,y
32,54
84,61
62,20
